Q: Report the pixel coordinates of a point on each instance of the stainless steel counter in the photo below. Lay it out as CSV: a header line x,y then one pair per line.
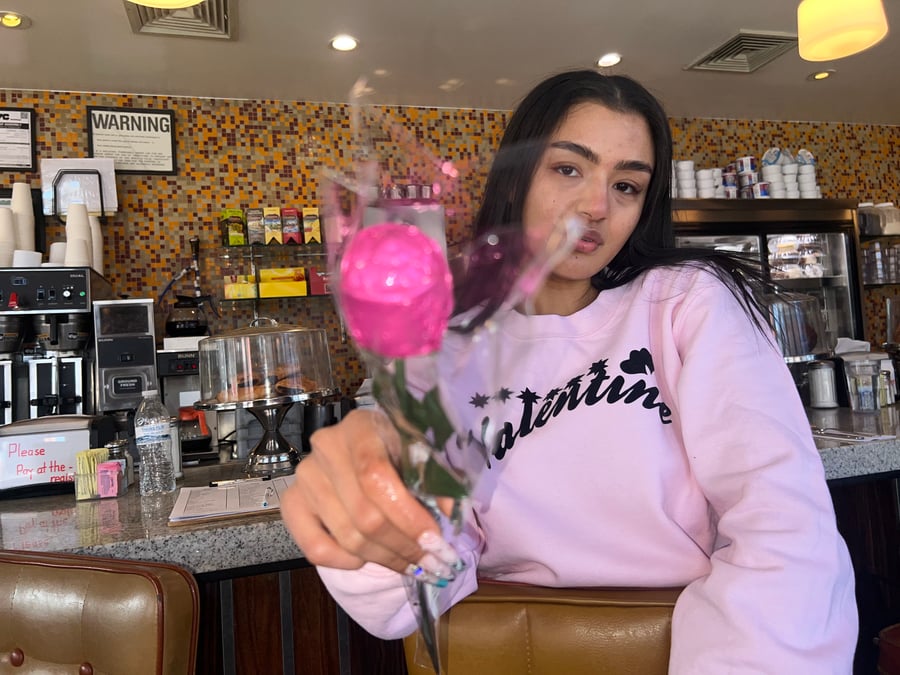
x,y
136,528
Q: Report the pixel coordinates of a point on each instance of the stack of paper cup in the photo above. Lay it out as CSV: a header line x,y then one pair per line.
x,y
57,257
23,209
806,180
685,183
78,236
789,175
706,184
773,175
96,245
7,236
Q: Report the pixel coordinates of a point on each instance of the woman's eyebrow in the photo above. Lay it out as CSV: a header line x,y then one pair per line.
x,y
578,149
594,158
634,165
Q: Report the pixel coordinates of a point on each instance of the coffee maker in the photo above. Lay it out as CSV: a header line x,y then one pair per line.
x,y
47,351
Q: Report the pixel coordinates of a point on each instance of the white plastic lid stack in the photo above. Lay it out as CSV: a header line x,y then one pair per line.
x,y
888,218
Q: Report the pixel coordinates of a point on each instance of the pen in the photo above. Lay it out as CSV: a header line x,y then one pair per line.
x,y
234,481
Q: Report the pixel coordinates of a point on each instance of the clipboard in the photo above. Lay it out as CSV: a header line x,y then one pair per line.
x,y
233,500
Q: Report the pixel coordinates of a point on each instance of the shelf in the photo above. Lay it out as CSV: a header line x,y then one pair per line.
x,y
273,297
271,251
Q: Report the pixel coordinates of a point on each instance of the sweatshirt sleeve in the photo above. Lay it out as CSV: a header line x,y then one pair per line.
x,y
375,597
779,596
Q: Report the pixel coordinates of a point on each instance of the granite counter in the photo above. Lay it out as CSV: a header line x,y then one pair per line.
x,y
137,528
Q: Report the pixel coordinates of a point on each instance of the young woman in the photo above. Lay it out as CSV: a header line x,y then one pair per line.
x,y
654,436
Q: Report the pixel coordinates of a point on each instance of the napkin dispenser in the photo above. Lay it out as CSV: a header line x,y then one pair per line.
x,y
37,456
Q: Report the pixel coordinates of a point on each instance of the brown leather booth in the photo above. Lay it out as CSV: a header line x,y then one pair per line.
x,y
511,629
63,613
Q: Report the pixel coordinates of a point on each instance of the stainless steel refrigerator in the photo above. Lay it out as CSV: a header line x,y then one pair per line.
x,y
809,246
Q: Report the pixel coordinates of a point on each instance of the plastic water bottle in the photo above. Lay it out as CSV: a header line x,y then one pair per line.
x,y
154,442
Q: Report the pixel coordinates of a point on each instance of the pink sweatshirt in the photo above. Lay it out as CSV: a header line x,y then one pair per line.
x,y
654,438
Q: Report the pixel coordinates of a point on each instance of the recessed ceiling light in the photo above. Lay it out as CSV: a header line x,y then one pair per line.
x,y
381,72
821,75
608,60
13,20
503,81
344,43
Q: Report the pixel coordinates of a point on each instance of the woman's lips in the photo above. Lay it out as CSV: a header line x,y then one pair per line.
x,y
588,243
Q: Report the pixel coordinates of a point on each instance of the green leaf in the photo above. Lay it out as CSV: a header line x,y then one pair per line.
x,y
440,482
437,418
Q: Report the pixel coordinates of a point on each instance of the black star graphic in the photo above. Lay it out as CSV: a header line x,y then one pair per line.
x,y
479,400
529,396
598,367
504,394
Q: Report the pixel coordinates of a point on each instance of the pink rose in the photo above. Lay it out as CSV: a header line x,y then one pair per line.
x,y
395,290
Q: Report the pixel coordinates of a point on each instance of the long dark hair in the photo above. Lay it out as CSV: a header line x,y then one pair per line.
x,y
651,244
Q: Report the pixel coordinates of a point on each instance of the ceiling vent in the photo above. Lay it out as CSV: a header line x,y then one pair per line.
x,y
746,52
210,19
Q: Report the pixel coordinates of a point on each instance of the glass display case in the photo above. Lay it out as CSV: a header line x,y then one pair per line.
x,y
808,246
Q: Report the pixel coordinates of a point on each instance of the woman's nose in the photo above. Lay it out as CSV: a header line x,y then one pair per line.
x,y
593,202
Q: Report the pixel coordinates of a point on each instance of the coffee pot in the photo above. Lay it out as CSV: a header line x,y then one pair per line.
x,y
187,318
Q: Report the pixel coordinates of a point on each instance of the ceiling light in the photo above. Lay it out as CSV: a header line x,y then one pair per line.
x,y
833,29
13,20
821,75
167,4
344,43
608,60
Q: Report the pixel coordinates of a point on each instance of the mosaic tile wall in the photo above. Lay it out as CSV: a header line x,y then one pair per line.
x,y
234,153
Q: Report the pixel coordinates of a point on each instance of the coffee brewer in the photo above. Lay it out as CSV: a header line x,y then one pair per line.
x,y
45,365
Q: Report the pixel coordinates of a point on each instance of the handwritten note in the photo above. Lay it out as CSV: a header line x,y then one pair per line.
x,y
233,499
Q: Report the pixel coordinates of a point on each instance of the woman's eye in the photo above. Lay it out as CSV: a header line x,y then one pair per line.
x,y
627,188
567,170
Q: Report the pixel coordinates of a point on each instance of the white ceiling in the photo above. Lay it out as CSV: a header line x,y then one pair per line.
x,y
280,52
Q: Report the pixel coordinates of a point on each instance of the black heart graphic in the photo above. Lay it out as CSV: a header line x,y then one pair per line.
x,y
639,362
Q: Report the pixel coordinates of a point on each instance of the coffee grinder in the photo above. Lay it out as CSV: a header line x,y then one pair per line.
x,y
125,361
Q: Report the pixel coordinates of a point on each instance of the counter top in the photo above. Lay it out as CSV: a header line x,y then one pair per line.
x,y
137,528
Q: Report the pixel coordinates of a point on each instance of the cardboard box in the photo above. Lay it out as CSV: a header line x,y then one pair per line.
x,y
282,289
256,230
318,281
237,286
272,224
290,226
232,227
312,228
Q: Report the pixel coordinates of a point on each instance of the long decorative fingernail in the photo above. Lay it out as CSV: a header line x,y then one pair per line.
x,y
435,544
417,572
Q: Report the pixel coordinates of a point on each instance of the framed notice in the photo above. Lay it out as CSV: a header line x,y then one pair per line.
x,y
139,141
17,139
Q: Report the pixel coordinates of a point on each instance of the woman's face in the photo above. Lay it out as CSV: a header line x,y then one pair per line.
x,y
596,167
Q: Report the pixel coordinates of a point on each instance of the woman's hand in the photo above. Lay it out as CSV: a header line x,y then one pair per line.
x,y
348,505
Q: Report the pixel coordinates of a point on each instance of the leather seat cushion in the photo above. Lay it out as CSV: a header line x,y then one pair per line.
x,y
507,629
60,611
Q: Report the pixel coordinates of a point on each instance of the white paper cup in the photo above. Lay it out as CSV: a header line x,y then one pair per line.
x,y
704,174
25,258
790,169
706,193
6,254
78,253
21,205
704,183
58,252
684,165
8,227
807,170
